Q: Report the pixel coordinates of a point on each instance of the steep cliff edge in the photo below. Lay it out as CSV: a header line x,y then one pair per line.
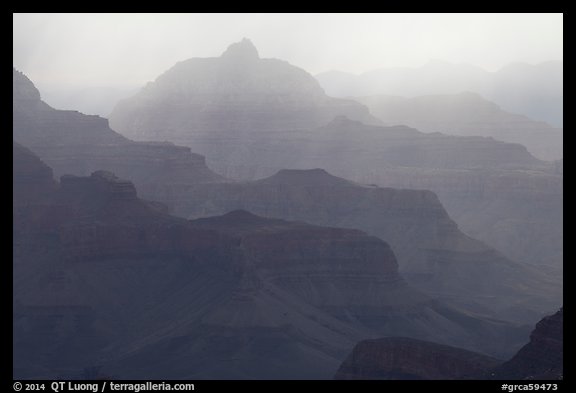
x,y
74,143
433,253
129,287
478,180
542,357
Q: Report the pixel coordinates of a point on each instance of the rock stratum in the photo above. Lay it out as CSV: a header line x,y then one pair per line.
x,y
74,143
104,278
433,253
478,180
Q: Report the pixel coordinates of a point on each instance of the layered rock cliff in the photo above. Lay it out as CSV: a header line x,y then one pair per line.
x,y
227,96
347,146
518,212
433,253
74,143
35,123
478,180
542,358
102,277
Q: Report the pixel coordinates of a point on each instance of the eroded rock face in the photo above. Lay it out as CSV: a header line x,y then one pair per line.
x,y
37,124
478,180
542,357
518,212
433,253
404,358
319,197
226,97
24,91
74,143
347,146
102,277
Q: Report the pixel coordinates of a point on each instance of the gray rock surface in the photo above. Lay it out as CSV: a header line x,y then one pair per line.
x,y
542,358
105,278
402,358
405,358
74,143
433,253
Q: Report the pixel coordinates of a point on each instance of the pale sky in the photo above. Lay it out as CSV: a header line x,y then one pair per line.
x,y
132,49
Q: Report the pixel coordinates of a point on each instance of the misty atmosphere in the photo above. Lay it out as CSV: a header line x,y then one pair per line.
x,y
288,196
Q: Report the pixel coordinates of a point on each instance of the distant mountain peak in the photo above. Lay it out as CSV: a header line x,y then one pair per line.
x,y
243,50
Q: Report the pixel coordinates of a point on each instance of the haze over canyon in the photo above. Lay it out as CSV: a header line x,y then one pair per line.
x,y
238,217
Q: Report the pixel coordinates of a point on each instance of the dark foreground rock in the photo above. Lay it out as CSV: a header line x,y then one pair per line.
x,y
103,278
405,358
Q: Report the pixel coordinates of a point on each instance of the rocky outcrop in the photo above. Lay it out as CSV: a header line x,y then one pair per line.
x,y
486,205
221,112
478,180
433,253
200,100
542,358
405,358
321,198
37,124
468,114
24,91
344,146
102,277
74,143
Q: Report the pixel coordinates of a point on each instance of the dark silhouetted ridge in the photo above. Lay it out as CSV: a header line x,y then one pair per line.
x,y
542,358
408,358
